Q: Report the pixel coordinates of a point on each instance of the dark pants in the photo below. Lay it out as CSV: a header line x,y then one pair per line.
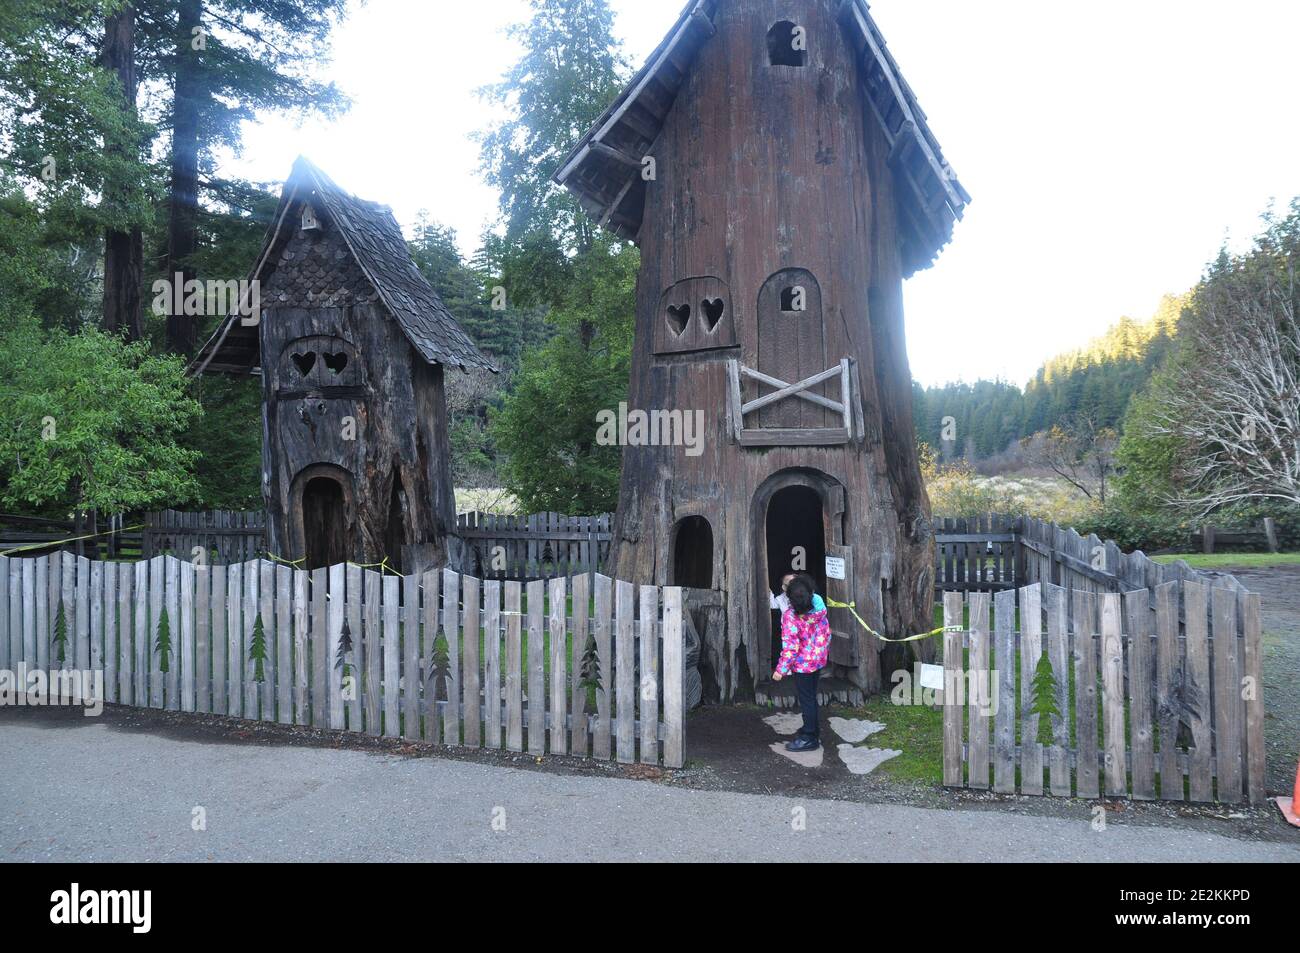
x,y
805,689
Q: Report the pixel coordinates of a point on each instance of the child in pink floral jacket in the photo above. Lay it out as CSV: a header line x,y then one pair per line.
x,y
805,646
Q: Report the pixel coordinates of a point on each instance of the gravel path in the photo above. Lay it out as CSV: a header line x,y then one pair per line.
x,y
90,792
1279,590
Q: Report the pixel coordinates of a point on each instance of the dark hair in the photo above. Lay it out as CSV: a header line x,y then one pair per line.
x,y
800,593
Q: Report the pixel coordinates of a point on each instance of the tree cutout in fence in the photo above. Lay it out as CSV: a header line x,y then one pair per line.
x,y
440,669
61,634
257,650
589,672
163,645
1044,705
342,660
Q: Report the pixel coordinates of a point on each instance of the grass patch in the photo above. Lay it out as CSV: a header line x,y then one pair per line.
x,y
915,730
1233,560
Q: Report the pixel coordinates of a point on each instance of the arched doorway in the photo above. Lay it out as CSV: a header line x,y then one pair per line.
x,y
324,523
322,517
692,554
798,518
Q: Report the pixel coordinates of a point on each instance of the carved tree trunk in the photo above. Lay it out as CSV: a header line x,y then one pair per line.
x,y
770,239
123,248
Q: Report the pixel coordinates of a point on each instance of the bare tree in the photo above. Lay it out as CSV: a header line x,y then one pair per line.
x,y
1232,400
1080,451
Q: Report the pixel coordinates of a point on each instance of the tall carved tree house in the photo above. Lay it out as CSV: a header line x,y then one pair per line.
x,y
781,181
352,346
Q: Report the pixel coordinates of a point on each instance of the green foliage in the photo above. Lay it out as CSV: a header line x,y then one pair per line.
x,y
226,440
163,644
61,634
257,650
548,427
87,421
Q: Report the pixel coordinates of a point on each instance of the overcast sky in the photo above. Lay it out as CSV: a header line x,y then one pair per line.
x,y
1110,147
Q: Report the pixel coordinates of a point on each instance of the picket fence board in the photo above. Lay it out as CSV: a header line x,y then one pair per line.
x,y
581,637
1196,692
410,658
284,667
1004,749
301,649
1252,662
1228,705
471,672
10,653
203,638
601,738
559,667
954,682
980,664
189,638
266,611
1141,684
371,585
336,616
1169,674
492,663
1112,696
536,694
126,654
352,600
1031,652
625,672
514,667
40,594
648,683
432,588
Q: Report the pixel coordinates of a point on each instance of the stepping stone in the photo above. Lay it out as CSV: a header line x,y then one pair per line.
x,y
855,730
805,759
865,760
784,723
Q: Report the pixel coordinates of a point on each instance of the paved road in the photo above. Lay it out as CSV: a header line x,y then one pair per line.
x,y
93,793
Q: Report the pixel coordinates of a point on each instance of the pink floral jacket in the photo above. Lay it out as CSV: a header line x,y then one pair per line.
x,y
805,642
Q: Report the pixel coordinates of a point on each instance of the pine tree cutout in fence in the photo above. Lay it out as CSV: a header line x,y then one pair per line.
x,y
439,669
257,650
589,672
1044,688
163,645
61,634
343,662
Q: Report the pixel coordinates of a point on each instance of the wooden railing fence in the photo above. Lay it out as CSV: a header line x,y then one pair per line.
x,y
537,546
1155,693
587,667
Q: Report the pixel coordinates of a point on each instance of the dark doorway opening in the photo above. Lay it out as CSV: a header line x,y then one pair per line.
x,y
394,534
324,523
693,554
796,542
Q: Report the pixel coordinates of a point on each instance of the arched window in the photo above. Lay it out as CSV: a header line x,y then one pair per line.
x,y
787,44
693,554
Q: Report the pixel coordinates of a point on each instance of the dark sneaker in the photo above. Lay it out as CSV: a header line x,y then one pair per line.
x,y
803,744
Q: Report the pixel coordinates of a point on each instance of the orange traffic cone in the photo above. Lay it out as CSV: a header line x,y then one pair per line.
x,y
1289,805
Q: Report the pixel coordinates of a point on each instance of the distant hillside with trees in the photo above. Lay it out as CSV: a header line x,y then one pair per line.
x,y
983,420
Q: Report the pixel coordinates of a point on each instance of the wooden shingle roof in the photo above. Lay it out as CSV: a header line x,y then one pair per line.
x,y
604,169
376,242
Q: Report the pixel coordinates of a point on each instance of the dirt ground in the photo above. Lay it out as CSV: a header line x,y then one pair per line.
x,y
1279,590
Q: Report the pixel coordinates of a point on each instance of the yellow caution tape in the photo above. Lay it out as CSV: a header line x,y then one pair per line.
x,y
71,539
852,607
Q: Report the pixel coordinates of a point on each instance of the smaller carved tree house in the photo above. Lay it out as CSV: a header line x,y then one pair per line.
x,y
351,345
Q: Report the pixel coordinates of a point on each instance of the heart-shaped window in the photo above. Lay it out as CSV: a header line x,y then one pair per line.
x,y
712,311
678,318
305,362
335,362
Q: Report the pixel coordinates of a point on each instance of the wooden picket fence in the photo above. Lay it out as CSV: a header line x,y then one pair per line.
x,y
224,536
977,553
1159,693
536,546
443,658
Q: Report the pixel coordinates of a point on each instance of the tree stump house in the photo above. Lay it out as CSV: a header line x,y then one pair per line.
x,y
351,345
781,181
